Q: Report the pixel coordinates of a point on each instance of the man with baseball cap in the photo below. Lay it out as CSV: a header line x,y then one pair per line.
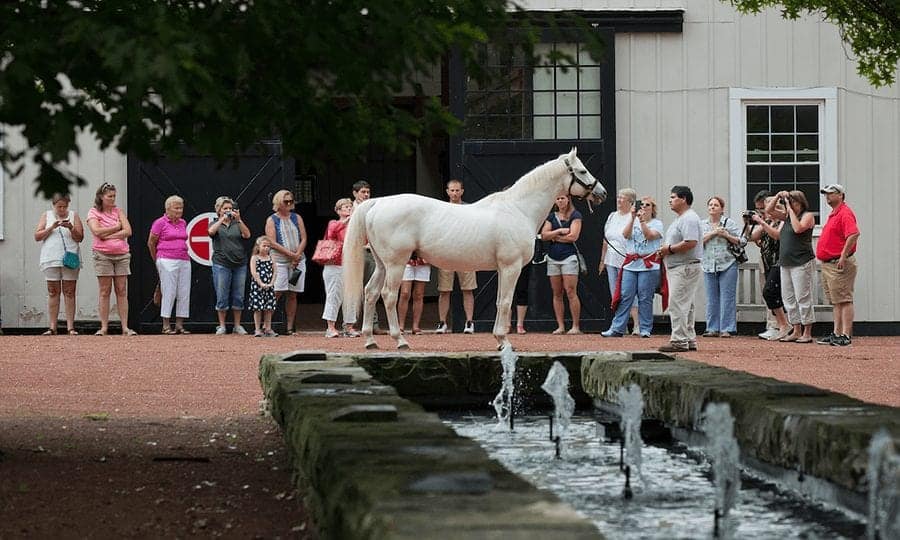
x,y
835,250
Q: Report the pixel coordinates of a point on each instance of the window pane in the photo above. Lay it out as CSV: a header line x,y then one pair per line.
x,y
590,102
758,173
782,119
543,103
566,79
589,79
757,143
543,127
542,79
566,127
566,103
808,173
807,118
807,143
589,127
584,57
783,173
757,119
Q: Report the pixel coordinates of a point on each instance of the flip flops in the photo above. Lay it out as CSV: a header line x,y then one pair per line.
x,y
50,332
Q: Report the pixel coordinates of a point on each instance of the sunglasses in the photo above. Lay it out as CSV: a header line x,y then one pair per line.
x,y
288,201
646,204
106,186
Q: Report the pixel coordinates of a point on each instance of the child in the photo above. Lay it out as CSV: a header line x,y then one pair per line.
x,y
262,288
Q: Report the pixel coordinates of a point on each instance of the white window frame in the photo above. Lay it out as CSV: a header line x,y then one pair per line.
x,y
2,193
739,98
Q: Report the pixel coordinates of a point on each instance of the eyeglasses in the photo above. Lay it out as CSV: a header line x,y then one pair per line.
x,y
646,204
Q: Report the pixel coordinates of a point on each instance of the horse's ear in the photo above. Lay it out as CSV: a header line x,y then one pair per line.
x,y
573,152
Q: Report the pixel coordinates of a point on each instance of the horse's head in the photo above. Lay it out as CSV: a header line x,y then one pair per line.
x,y
582,183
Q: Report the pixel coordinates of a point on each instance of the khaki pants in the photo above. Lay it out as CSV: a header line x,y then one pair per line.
x,y
683,282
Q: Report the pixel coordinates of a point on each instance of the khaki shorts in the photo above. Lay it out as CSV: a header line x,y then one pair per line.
x,y
61,273
112,265
838,284
565,267
467,281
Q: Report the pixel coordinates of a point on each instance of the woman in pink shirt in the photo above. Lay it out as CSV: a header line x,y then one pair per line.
x,y
168,247
112,258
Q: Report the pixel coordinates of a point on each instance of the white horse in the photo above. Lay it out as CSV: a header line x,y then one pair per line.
x,y
495,233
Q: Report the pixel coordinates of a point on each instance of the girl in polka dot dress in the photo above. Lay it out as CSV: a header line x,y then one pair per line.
x,y
262,288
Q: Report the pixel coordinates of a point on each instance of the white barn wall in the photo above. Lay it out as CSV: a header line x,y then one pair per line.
x,y
672,122
24,291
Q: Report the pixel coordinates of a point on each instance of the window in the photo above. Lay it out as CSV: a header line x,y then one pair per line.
x,y
526,102
782,139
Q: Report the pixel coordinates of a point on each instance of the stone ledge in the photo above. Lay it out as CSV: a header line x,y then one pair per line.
x,y
410,478
793,426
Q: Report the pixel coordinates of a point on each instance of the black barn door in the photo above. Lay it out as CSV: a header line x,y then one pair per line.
x,y
488,167
250,179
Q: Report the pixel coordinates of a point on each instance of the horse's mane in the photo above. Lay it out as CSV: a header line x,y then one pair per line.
x,y
529,182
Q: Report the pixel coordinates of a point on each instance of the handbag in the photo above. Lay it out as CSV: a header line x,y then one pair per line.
x,y
737,251
295,276
327,252
70,258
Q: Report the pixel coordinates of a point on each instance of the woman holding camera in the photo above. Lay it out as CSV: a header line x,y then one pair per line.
x,y
798,261
229,263
720,269
167,243
59,230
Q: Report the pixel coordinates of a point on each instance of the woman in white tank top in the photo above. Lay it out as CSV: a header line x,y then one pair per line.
x,y
59,230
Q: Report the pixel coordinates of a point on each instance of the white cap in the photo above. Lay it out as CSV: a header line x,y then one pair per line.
x,y
833,188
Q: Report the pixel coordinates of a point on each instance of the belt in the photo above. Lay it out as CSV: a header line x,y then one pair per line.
x,y
836,259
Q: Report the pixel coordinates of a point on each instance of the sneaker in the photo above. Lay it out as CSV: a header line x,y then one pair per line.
x,y
827,340
331,334
768,334
258,334
780,334
220,330
611,333
239,330
442,328
692,345
645,334
636,332
724,334
841,341
470,327
710,334
350,332
674,347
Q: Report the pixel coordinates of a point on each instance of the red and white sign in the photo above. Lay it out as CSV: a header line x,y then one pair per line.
x,y
199,243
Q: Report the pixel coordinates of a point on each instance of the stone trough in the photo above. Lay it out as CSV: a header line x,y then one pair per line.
x,y
373,463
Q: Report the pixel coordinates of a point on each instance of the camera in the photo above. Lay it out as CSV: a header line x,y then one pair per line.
x,y
229,214
748,214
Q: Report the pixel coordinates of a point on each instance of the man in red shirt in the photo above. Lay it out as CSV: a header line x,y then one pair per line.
x,y
835,250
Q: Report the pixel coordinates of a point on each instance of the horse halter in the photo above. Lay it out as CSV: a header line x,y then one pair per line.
x,y
575,180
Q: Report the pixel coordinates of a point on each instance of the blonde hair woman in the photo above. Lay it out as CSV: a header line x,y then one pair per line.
x,y
59,230
167,243
229,263
287,236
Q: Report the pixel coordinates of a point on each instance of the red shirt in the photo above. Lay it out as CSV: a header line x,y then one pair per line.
x,y
841,224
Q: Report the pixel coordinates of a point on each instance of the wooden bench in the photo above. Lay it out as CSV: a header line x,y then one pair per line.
x,y
750,304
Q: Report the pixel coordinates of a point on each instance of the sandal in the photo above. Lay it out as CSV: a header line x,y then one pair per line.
x,y
520,330
181,331
50,332
72,332
417,331
804,339
168,332
574,332
129,332
558,331
788,338
100,333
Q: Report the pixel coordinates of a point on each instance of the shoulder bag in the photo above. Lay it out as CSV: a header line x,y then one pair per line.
x,y
327,252
70,258
736,250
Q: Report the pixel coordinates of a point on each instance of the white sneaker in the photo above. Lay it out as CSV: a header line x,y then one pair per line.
x,y
220,330
769,333
239,330
442,328
470,328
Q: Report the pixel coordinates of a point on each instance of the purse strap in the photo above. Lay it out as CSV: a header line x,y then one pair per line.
x,y
61,235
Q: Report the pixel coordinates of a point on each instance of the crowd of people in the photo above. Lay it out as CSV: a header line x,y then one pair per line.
x,y
639,255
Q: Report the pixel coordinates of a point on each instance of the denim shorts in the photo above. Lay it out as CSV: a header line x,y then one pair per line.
x,y
229,284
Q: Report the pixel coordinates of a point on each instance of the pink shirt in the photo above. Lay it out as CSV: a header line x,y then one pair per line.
x,y
172,238
110,246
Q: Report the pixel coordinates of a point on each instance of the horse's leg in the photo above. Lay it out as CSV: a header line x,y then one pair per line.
x,y
373,288
506,284
389,293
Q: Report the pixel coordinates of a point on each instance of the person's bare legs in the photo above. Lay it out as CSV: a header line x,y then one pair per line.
x,y
559,306
290,311
121,285
53,290
403,303
418,305
570,284
221,314
521,311
105,284
68,291
469,304
236,313
443,306
258,327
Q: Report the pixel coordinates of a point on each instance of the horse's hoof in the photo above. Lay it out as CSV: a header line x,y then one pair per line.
x,y
371,345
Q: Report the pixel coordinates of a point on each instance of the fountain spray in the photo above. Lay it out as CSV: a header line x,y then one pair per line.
x,y
632,404
883,473
725,454
557,386
503,403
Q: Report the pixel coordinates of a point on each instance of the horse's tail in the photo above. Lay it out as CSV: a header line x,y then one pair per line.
x,y
353,258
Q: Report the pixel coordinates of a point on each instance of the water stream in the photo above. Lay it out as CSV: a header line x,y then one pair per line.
x,y
673,498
